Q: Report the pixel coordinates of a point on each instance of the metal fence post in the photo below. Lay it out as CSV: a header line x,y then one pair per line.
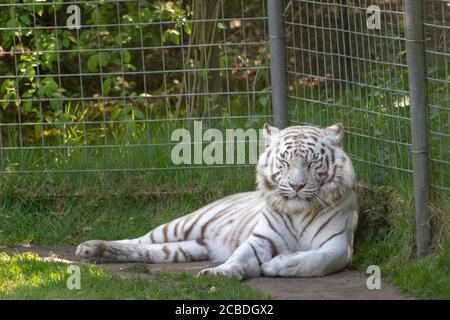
x,y
419,121
277,63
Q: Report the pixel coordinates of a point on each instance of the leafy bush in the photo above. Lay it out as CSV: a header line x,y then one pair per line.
x,y
128,63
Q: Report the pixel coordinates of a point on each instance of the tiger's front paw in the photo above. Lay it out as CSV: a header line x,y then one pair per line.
x,y
271,268
233,271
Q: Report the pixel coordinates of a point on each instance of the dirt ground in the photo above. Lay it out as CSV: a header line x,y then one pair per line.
x,y
345,285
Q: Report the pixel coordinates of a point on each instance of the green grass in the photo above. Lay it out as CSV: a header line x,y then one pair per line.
x,y
137,268
25,276
385,237
101,215
123,210
428,278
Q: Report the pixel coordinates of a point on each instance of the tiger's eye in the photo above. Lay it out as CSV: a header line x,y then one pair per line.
x,y
284,162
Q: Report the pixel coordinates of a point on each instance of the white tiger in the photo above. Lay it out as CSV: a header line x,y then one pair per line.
x,y
299,223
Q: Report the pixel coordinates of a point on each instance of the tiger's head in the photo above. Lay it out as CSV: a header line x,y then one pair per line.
x,y
303,166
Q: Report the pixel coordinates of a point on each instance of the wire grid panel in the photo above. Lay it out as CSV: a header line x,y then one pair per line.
x,y
106,95
437,35
342,70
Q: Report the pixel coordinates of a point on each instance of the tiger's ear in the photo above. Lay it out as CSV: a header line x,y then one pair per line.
x,y
270,134
335,133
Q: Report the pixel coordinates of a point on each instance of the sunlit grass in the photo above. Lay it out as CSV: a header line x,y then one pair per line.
x,y
25,276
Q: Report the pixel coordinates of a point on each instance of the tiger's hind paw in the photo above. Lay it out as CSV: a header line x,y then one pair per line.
x,y
92,251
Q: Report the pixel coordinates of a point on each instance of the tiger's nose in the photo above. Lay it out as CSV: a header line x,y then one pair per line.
x,y
297,187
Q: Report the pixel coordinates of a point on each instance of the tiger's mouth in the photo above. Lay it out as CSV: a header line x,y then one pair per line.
x,y
297,197
307,194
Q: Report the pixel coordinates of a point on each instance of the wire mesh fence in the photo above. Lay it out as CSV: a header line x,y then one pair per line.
x,y
437,51
341,70
106,94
